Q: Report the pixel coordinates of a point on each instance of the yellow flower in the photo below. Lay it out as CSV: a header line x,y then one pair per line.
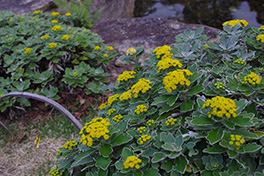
x,y
261,27
144,138
126,95
150,122
163,51
171,121
176,77
141,129
261,38
54,21
131,162
219,85
36,12
75,74
118,117
97,48
52,45
206,46
106,55
28,50
234,22
252,79
54,14
110,112
35,18
240,61
167,62
45,37
57,28
70,144
141,108
103,106
131,51
55,172
110,48
126,75
67,14
112,99
143,85
66,37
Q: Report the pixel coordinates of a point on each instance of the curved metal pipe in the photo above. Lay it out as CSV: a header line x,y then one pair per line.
x,y
49,101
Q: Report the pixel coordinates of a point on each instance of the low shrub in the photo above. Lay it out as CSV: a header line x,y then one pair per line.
x,y
192,109
41,53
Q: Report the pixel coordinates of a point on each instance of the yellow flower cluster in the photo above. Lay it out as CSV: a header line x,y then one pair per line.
x,y
219,85
35,18
97,48
143,85
221,106
110,48
52,45
167,62
176,77
131,162
45,37
66,37
110,112
27,50
171,121
125,96
240,61
57,28
112,99
141,108
141,129
69,145
54,14
106,55
59,152
261,27
237,140
55,172
67,14
126,75
75,74
206,45
261,69
96,128
150,122
131,51
103,106
234,22
163,51
261,38
54,21
252,79
36,12
144,138
11,38
118,117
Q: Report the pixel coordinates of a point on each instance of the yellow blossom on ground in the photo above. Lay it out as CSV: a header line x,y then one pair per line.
x,y
57,28
95,129
141,108
54,21
54,14
261,38
52,45
143,85
176,77
221,106
36,12
110,48
66,37
234,22
131,51
132,162
252,79
126,75
55,172
67,14
45,37
27,51
97,48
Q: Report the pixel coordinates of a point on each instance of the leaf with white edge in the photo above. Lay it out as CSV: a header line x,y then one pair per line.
x,y
158,157
215,149
187,105
82,161
64,163
138,172
102,172
172,99
121,139
181,164
241,104
167,165
105,150
200,102
102,162
242,121
246,134
251,147
126,153
195,76
232,154
195,90
160,99
151,172
215,135
202,121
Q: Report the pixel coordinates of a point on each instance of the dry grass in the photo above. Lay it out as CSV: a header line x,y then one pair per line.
x,y
25,159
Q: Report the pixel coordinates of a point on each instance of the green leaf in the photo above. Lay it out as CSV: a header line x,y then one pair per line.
x,y
121,139
158,157
102,162
195,76
106,150
167,166
195,90
216,149
82,161
200,102
232,154
172,99
102,172
215,135
126,153
241,104
151,172
202,121
64,163
138,173
187,105
160,99
181,164
251,147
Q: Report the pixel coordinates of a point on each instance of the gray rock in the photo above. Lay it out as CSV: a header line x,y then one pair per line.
x,y
24,6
